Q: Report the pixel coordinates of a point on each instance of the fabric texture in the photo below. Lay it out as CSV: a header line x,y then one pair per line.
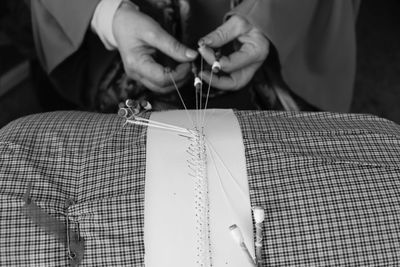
x,y
79,156
329,184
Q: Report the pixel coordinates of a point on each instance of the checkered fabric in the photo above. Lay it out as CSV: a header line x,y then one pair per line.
x,y
81,156
330,185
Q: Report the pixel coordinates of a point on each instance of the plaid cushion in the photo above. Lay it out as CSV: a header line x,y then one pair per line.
x,y
83,156
329,184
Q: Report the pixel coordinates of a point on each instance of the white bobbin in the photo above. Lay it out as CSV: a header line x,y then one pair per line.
x,y
238,237
123,112
129,103
146,105
216,67
197,82
236,234
259,214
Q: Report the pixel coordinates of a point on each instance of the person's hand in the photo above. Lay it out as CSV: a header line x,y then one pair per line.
x,y
241,65
138,37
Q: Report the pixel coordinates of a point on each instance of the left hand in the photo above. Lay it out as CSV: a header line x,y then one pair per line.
x,y
240,65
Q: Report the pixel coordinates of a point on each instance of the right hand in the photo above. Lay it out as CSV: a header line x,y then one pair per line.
x,y
138,37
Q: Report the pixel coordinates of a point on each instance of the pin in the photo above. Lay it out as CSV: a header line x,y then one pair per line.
x,y
74,244
72,239
238,237
71,254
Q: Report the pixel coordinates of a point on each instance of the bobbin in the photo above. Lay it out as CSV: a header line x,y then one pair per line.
x,y
124,112
216,67
197,82
145,105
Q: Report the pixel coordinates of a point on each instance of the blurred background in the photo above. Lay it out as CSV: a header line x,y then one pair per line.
x,y
24,88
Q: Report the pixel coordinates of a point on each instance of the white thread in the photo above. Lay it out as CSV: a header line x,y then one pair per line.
x,y
209,144
142,123
208,95
163,124
154,123
201,77
180,96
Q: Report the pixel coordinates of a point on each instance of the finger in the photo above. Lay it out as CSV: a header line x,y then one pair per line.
x,y
232,82
145,66
249,53
162,90
207,53
179,82
254,48
180,74
227,32
167,44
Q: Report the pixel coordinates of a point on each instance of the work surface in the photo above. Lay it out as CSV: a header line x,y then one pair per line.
x,y
329,184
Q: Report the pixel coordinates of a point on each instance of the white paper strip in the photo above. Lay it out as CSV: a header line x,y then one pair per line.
x,y
170,223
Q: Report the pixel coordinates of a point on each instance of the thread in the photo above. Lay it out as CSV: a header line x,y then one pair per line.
x,y
180,96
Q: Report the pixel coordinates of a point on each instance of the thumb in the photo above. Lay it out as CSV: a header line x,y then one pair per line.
x,y
172,48
227,32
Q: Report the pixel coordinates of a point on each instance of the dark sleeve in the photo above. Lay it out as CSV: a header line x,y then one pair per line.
x,y
315,42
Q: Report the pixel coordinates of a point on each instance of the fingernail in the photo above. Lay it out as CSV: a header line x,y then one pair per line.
x,y
204,41
191,54
207,41
201,43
